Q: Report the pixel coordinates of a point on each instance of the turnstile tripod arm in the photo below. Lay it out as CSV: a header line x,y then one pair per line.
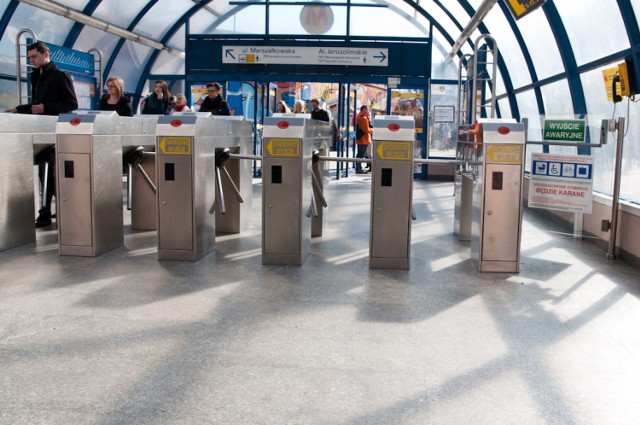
x,y
129,186
220,200
317,190
234,188
146,178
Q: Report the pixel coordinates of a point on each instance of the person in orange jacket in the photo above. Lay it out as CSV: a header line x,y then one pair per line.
x,y
363,123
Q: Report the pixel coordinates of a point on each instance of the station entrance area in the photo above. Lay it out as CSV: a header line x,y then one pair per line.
x,y
125,338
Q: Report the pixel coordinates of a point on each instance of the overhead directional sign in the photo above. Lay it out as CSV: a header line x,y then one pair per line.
x,y
287,55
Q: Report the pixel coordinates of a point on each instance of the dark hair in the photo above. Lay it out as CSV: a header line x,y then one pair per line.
x,y
165,89
315,100
214,85
39,46
363,107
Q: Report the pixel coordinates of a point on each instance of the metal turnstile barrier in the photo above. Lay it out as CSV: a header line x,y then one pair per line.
x,y
497,196
22,137
290,190
463,182
391,192
89,183
186,181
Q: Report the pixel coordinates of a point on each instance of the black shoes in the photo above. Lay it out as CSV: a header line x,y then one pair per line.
x,y
44,218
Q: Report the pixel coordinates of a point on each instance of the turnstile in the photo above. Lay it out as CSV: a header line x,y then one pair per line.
x,y
21,136
185,168
391,192
288,199
497,196
89,183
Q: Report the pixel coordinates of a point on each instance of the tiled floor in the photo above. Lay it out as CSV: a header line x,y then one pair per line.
x,y
126,339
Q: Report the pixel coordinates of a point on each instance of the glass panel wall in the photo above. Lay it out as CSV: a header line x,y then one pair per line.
x,y
541,43
508,47
129,64
557,104
528,107
588,42
161,17
599,108
118,12
441,69
48,27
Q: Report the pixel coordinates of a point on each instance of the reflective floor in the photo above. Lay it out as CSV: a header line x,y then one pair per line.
x,y
126,339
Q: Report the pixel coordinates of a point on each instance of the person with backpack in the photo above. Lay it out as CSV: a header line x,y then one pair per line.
x,y
363,135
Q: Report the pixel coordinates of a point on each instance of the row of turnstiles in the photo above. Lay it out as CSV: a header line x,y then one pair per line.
x,y
189,177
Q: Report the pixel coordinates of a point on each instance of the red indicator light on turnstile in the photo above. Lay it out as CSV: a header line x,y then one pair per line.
x,y
176,123
283,124
393,126
504,130
75,121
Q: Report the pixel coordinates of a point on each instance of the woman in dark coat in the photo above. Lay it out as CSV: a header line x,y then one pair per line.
x,y
158,101
115,99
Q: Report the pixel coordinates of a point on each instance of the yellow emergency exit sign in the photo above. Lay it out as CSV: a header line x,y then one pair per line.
x,y
175,145
520,8
288,148
397,151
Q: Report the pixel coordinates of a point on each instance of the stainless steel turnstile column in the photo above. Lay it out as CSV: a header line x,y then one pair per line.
x,y
19,134
463,182
89,184
185,168
497,197
288,144
391,192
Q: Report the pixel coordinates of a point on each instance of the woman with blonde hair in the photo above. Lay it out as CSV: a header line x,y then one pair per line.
x,y
115,99
158,101
181,104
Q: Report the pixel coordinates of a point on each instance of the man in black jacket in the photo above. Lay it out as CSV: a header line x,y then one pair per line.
x,y
317,113
213,102
52,94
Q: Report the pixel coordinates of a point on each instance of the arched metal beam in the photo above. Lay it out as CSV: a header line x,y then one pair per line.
x,y
77,27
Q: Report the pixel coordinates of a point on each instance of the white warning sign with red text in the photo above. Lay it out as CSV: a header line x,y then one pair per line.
x,y
561,182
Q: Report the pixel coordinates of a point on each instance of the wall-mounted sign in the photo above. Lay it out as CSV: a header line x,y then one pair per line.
x,y
316,19
561,182
443,113
520,8
287,55
564,131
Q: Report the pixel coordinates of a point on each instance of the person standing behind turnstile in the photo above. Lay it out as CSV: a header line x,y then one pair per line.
x,y
157,103
317,113
115,99
52,94
365,131
213,102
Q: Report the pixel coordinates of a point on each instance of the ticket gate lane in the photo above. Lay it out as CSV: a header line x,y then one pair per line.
x,y
186,182
497,197
391,192
288,195
89,183
16,172
22,137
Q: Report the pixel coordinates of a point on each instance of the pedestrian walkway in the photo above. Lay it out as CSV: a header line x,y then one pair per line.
x,y
126,339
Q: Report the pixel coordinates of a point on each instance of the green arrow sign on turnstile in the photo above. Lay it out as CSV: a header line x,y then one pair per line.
x,y
564,130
